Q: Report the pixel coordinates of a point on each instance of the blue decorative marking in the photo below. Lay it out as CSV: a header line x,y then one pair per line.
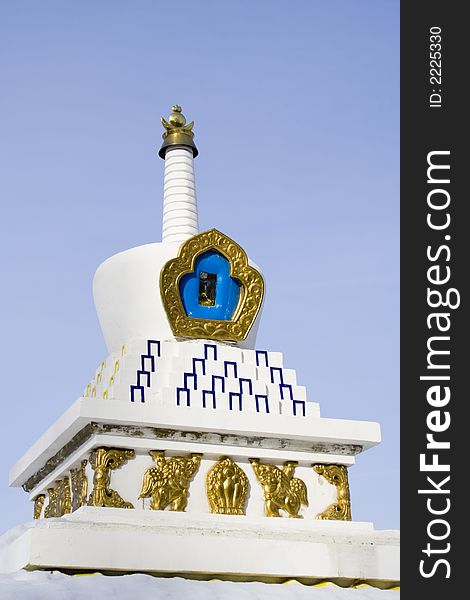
x,y
279,371
178,396
259,353
222,382
266,403
145,374
206,351
234,365
230,400
242,380
227,292
149,347
295,407
202,361
289,387
133,389
144,358
211,393
153,347
187,376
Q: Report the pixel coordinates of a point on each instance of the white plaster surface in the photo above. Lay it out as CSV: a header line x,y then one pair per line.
x,y
126,291
161,542
180,220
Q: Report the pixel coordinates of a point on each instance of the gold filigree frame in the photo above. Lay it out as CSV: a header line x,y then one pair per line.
x,y
251,291
103,461
336,475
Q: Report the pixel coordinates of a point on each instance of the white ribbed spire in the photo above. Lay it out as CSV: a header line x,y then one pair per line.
x,y
180,220
179,190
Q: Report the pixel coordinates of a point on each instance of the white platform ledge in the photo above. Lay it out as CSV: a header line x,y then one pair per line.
x,y
336,432
121,540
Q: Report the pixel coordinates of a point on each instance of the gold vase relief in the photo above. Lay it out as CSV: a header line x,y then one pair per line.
x,y
227,488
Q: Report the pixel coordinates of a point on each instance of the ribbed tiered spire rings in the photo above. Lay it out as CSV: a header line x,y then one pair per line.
x,y
180,220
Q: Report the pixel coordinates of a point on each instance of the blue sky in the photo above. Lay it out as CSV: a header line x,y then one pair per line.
x,y
296,107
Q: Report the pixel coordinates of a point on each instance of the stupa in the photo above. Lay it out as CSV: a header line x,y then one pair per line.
x,y
191,451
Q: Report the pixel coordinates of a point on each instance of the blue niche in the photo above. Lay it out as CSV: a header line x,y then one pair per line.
x,y
209,292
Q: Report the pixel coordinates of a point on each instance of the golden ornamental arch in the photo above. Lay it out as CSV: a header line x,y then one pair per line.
x,y
251,290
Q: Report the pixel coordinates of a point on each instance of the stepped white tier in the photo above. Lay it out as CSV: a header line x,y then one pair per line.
x,y
213,400
195,396
201,374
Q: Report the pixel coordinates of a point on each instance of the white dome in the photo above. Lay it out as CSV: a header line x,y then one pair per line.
x,y
126,291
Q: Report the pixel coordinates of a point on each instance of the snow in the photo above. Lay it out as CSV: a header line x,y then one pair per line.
x,y
38,585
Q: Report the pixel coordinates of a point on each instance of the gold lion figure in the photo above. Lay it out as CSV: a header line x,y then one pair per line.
x,y
168,482
282,491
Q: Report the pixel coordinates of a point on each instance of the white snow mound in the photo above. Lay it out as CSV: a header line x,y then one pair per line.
x,y
41,585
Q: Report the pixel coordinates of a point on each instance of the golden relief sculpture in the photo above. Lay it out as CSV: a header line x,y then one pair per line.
x,y
227,488
251,291
59,502
282,491
168,482
79,482
337,475
103,461
38,504
52,507
177,132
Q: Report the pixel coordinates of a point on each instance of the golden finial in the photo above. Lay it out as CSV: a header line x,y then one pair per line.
x,y
177,132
